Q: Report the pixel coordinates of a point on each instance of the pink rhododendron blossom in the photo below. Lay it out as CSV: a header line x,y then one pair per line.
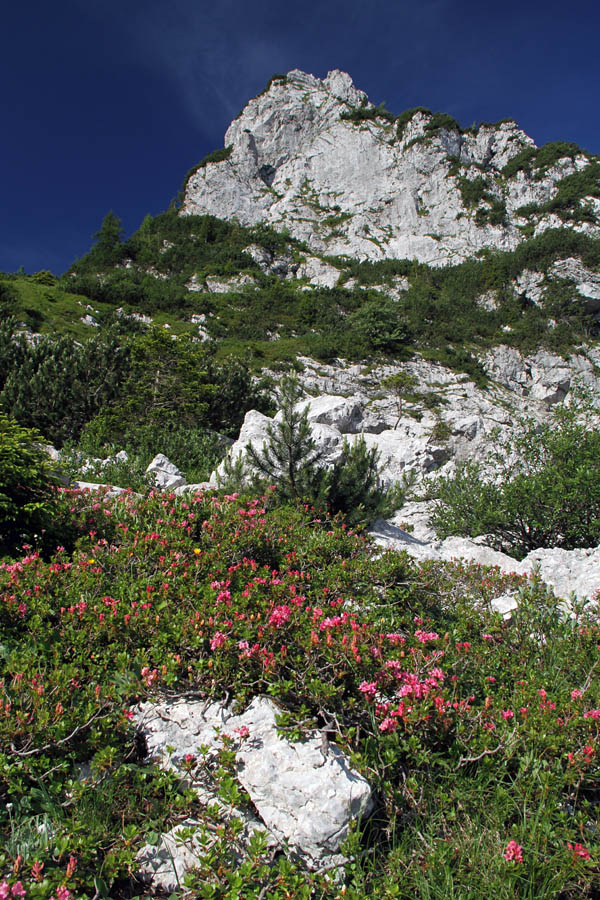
x,y
4,890
17,890
513,852
63,893
424,637
388,725
243,731
217,640
579,850
576,694
280,615
592,714
369,688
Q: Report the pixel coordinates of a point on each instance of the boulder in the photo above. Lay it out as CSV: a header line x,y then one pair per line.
x,y
318,273
108,490
305,792
166,475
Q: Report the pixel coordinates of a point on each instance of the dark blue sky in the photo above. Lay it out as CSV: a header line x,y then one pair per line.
x,y
108,103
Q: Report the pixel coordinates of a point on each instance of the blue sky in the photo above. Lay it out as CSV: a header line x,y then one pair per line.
x,y
108,104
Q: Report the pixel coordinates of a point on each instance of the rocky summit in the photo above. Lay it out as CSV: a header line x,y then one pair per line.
x,y
315,157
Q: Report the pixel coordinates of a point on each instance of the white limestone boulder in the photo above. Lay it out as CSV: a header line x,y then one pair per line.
x,y
306,792
569,573
166,475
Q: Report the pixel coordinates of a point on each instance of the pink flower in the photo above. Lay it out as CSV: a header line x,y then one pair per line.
x,y
424,637
63,893
579,850
17,889
280,615
388,725
37,870
508,714
592,714
576,694
218,639
243,731
369,688
4,890
513,852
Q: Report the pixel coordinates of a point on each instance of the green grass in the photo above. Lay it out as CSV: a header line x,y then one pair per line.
x,y
49,309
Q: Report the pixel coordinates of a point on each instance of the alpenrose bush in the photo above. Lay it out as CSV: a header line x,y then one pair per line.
x,y
478,736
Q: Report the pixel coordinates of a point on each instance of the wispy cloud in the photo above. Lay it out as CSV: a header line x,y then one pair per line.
x,y
216,55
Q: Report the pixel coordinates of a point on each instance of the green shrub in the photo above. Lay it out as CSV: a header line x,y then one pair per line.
x,y
475,734
521,161
57,385
194,450
545,493
540,158
353,488
440,121
291,460
473,190
26,479
367,114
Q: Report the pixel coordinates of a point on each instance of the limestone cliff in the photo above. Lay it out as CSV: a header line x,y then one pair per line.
x,y
315,157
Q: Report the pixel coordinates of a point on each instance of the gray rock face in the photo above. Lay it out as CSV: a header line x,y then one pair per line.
x,y
351,403
165,473
543,376
304,794
364,190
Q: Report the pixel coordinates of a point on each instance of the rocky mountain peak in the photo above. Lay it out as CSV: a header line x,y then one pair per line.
x,y
314,156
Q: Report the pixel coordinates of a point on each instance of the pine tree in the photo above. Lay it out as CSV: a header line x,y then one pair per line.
x,y
289,456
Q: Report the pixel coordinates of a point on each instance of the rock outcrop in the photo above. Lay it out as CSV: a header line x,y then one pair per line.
x,y
315,157
568,572
448,420
305,792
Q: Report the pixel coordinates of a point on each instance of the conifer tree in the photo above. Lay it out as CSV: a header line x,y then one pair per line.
x,y
289,456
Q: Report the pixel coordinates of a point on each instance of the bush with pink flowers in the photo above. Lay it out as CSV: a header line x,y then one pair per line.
x,y
479,737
